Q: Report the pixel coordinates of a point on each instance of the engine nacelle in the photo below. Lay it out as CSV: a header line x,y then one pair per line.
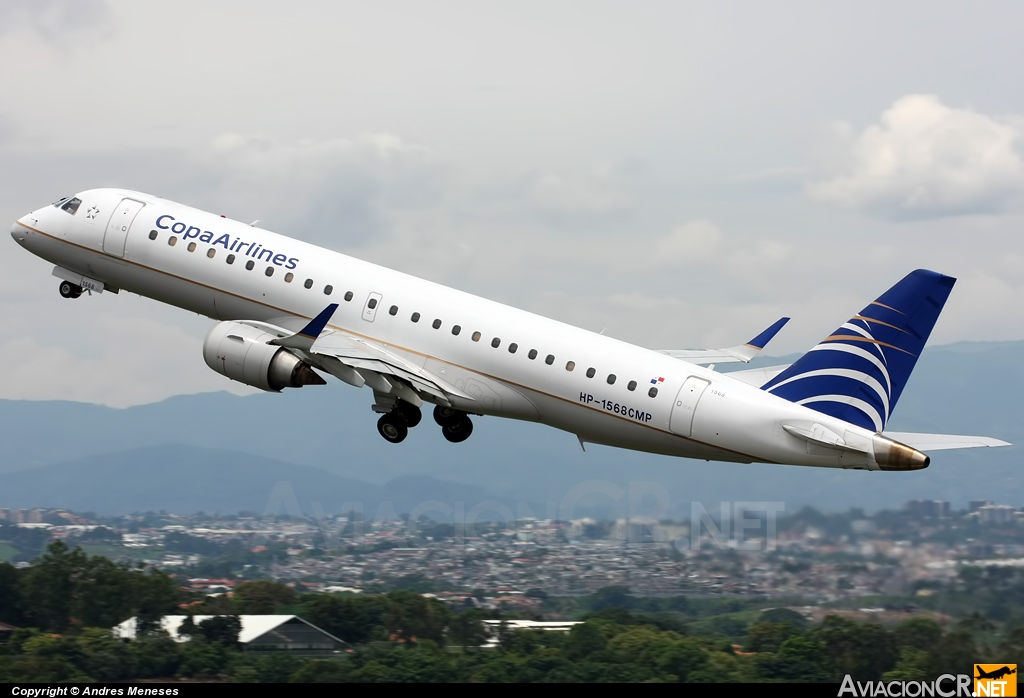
x,y
241,353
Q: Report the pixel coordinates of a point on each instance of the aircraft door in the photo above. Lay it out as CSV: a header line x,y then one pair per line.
x,y
681,421
116,235
370,309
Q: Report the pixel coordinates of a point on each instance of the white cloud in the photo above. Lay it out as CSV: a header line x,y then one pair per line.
x,y
925,159
55,20
600,191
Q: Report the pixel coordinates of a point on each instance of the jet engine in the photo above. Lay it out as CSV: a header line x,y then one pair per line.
x,y
241,353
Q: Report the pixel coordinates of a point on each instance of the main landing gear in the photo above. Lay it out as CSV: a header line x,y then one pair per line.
x,y
394,426
456,426
70,290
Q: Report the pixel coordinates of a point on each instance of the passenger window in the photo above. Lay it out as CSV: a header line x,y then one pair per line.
x,y
153,234
371,304
415,317
653,392
512,348
348,296
631,385
393,310
230,259
532,355
495,342
591,372
436,324
250,264
549,359
328,290
309,283
172,241
570,366
72,206
191,247
456,329
269,271
211,252
476,336
288,277
611,379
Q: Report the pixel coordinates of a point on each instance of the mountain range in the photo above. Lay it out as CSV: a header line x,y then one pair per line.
x,y
221,452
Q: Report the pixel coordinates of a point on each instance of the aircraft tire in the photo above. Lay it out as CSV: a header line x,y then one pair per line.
x,y
459,430
392,428
69,290
409,413
446,415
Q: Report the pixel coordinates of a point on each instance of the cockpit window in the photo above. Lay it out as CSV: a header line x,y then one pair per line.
x,y
61,200
71,206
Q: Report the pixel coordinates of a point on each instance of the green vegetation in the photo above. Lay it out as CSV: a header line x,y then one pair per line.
x,y
67,601
7,552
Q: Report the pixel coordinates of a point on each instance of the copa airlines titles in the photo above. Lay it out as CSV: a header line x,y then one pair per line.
x,y
248,249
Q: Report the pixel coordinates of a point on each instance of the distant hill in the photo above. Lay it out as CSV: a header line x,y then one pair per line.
x,y
187,479
968,388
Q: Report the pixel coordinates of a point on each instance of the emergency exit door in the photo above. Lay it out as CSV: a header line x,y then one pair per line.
x,y
121,220
681,421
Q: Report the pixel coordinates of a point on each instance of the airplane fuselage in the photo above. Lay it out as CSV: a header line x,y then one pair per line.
x,y
508,362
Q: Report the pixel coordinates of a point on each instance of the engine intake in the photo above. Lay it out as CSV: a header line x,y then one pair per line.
x,y
241,353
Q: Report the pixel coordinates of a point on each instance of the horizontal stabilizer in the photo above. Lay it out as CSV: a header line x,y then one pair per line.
x,y
941,442
743,352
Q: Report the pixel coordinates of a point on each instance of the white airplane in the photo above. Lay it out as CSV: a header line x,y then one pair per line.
x,y
287,309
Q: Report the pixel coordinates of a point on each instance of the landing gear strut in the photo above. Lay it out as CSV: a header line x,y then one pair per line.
x,y
70,290
456,426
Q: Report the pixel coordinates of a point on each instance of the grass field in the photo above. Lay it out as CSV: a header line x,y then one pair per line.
x,y
113,551
7,551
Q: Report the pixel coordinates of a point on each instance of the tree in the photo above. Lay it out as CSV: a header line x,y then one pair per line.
x,y
263,597
411,617
585,640
768,637
49,588
918,633
320,671
799,658
468,630
864,651
221,629
12,608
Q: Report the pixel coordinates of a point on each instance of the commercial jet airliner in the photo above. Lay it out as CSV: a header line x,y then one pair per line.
x,y
288,311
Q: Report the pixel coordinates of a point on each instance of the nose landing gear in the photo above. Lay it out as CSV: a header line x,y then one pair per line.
x,y
70,290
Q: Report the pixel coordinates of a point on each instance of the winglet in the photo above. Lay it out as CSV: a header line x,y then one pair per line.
x,y
761,341
305,337
745,352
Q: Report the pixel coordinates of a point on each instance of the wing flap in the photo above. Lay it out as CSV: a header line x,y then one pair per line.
x,y
742,352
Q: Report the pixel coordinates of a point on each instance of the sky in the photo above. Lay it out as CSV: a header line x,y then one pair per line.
x,y
676,174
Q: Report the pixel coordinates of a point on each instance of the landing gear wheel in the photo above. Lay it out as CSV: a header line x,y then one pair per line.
x,y
410,414
459,430
392,428
70,290
446,415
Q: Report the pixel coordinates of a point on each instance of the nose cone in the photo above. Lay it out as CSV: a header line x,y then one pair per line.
x,y
19,233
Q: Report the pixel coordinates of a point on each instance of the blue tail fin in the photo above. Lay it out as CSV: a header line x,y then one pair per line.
x,y
859,371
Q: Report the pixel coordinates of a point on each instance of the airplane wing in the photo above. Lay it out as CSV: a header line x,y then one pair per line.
x,y
743,352
941,442
360,362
